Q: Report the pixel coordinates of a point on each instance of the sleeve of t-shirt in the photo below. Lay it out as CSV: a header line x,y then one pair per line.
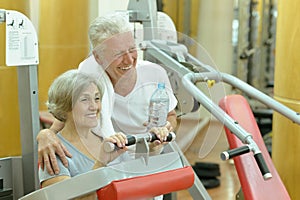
x,y
106,126
44,175
172,98
89,66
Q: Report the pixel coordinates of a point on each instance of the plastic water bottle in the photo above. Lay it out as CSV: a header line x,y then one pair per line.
x,y
159,107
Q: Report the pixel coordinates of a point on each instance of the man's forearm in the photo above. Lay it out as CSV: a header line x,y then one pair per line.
x,y
172,118
57,126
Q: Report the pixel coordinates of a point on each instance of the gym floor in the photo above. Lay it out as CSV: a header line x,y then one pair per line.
x,y
229,183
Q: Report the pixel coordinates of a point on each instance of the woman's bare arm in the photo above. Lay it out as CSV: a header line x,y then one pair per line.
x,y
49,145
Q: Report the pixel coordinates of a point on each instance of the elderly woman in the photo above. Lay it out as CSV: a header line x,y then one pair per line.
x,y
75,99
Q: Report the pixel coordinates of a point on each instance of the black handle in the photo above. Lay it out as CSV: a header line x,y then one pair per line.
x,y
235,152
153,137
133,139
262,166
258,157
109,147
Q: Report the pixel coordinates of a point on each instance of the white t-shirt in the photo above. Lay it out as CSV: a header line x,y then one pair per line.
x,y
127,114
130,112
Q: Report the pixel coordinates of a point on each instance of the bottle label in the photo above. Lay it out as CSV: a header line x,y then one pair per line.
x,y
158,113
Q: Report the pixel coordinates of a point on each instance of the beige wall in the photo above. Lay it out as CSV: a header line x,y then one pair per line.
x,y
214,43
286,134
63,40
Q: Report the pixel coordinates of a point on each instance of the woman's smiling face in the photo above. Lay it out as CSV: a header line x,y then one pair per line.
x,y
87,107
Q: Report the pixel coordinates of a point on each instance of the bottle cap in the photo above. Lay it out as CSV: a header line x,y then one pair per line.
x,y
161,85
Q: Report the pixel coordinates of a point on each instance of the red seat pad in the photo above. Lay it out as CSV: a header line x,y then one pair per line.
x,y
143,187
252,182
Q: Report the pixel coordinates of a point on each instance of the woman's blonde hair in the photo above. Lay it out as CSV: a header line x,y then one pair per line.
x,y
65,90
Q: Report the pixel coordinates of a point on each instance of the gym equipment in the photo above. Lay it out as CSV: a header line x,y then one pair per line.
x,y
22,51
185,71
253,186
164,173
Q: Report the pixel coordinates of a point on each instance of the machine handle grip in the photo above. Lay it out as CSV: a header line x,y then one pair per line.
x,y
133,139
262,166
109,146
258,157
154,137
225,155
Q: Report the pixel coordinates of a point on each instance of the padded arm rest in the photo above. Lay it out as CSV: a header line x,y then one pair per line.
x,y
148,186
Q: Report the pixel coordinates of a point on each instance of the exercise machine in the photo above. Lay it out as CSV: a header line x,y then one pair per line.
x,y
185,71
143,177
19,173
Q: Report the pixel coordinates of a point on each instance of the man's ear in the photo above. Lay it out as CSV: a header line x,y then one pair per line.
x,y
97,57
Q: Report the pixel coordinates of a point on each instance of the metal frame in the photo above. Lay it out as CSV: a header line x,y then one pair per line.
x,y
190,78
190,71
23,53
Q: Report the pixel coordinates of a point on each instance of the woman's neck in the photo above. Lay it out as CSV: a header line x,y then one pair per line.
x,y
71,131
83,139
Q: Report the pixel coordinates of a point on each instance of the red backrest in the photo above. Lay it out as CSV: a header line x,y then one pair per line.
x,y
252,183
143,187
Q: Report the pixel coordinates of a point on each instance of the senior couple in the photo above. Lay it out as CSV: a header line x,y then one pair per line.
x,y
104,99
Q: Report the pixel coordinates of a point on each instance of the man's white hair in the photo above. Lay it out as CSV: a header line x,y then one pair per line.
x,y
104,27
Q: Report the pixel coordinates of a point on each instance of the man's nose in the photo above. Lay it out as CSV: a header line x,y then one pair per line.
x,y
127,57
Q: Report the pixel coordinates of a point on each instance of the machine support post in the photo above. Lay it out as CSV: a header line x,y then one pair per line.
x,y
22,51
28,105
